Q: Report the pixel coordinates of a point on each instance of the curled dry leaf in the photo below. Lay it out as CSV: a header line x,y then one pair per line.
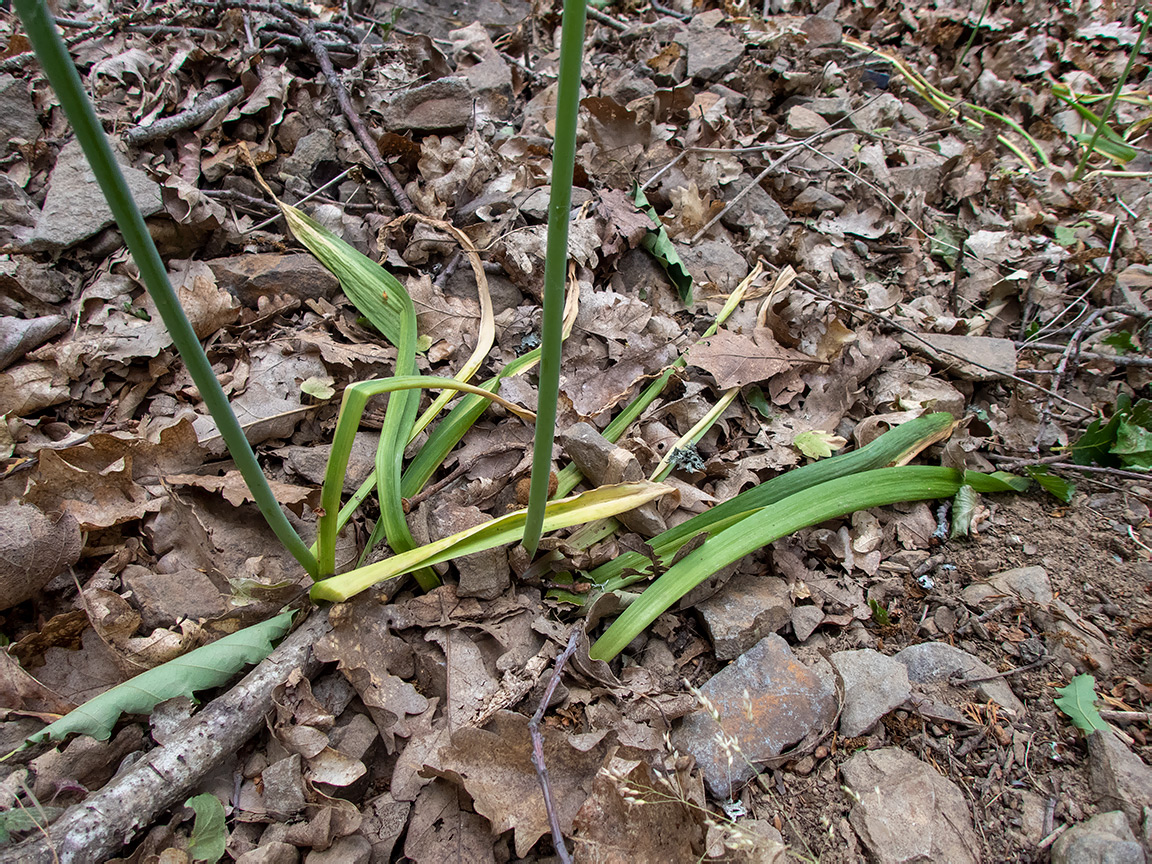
x,y
34,547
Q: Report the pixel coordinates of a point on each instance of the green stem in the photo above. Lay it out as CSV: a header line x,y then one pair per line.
x,y
556,264
1091,148
65,80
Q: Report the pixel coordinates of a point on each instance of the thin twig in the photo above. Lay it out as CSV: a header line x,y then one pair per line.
x,y
596,15
1061,369
210,100
1047,658
1118,359
538,745
887,320
1068,466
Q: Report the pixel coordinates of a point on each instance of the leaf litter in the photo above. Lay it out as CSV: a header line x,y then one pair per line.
x,y
940,266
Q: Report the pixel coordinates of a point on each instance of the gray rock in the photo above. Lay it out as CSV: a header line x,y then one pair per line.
x,y
907,813
534,203
805,619
1118,776
353,849
813,199
18,117
873,685
713,261
484,574
821,31
445,103
1106,838
998,355
1027,583
712,53
75,209
754,206
878,114
385,819
310,151
604,463
787,701
745,610
932,662
485,70
164,598
275,852
18,213
831,107
803,122
284,787
250,277
624,88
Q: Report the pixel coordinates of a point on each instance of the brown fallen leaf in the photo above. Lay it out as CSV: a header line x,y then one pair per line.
x,y
235,490
441,830
735,359
494,765
34,548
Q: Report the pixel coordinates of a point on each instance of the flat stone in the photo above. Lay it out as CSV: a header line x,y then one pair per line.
x,y
933,662
754,206
813,199
485,574
266,274
905,812
445,103
879,113
75,209
712,53
999,355
164,598
605,464
310,151
713,261
821,31
1118,776
873,685
271,853
831,107
353,849
487,73
803,122
744,611
1027,583
534,203
284,787
786,699
805,620
18,116
18,213
1106,838
385,819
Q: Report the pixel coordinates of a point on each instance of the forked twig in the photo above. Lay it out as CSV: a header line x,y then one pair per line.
x,y
538,745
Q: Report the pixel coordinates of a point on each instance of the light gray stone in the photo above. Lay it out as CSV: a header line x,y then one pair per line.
x,y
1106,838
873,685
805,619
766,699
933,662
1027,583
604,463
164,598
803,122
75,209
754,206
310,151
445,103
813,199
821,31
879,113
1118,776
284,787
744,611
18,117
998,355
712,52
353,849
275,852
906,813
713,261
484,574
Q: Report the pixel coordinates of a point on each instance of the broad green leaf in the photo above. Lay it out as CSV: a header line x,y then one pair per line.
x,y
1078,702
1122,342
947,241
1133,446
1050,483
26,819
755,398
1065,235
209,831
596,504
207,667
818,445
809,507
963,509
318,388
660,245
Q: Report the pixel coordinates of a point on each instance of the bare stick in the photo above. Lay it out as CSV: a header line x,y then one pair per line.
x,y
96,828
308,35
538,745
206,104
1119,360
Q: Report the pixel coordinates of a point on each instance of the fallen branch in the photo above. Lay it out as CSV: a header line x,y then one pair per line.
x,y
97,828
206,104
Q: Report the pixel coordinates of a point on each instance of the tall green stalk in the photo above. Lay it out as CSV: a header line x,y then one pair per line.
x,y
1091,148
65,80
556,264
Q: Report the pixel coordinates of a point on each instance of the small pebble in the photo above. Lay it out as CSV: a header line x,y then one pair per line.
x,y
804,766
821,752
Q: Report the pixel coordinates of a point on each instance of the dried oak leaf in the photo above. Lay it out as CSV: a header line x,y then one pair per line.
x,y
34,547
494,765
735,359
